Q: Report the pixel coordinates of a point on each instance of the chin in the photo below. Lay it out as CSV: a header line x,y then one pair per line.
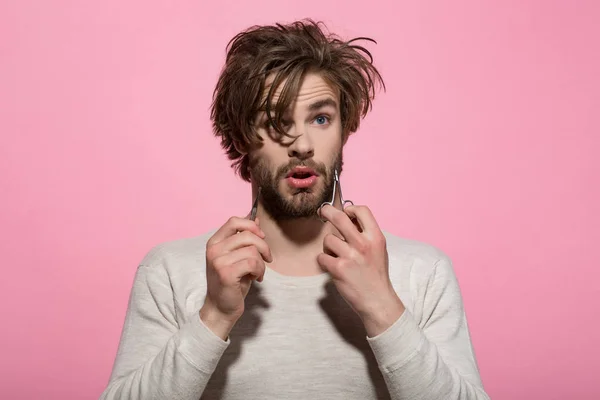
x,y
288,203
302,204
296,196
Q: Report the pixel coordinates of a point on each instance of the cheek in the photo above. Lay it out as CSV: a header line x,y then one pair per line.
x,y
329,144
273,152
266,162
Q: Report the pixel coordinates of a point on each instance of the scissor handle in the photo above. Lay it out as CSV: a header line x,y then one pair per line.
x,y
347,202
344,204
321,206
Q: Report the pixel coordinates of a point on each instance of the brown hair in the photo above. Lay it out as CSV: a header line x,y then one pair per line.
x,y
286,52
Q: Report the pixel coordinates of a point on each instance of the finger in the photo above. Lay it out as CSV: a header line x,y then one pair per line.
x,y
356,224
249,266
364,218
341,221
335,246
329,264
245,239
230,258
233,226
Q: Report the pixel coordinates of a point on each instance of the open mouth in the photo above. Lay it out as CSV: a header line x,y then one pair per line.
x,y
301,175
302,178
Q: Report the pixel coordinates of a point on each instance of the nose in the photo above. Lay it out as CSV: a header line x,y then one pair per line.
x,y
301,147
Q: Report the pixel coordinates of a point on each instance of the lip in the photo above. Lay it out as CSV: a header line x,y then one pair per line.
x,y
302,183
305,170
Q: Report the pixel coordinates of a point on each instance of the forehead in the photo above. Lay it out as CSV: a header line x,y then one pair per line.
x,y
312,88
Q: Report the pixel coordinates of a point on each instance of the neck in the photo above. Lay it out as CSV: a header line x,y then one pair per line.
x,y
294,244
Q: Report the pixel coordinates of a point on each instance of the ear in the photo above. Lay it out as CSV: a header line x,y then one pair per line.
x,y
240,147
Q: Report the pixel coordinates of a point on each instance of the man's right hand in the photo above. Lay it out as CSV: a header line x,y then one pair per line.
x,y
235,256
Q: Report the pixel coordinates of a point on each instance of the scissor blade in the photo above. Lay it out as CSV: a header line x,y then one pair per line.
x,y
255,206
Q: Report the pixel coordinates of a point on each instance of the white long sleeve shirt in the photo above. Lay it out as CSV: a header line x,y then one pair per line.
x,y
297,339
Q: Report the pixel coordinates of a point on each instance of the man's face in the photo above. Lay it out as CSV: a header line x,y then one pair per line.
x,y
295,173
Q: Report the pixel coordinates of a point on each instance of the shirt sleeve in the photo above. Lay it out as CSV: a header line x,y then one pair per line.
x,y
157,357
432,358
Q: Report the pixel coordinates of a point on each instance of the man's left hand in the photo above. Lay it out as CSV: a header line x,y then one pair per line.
x,y
358,265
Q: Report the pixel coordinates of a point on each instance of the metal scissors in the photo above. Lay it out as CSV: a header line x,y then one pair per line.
x,y
336,185
255,206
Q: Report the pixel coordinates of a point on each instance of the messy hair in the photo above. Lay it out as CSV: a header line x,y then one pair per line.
x,y
285,53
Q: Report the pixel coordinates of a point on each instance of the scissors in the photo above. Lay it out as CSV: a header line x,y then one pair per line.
x,y
255,206
336,185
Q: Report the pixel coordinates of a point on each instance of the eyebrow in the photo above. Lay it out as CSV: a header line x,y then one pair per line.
x,y
317,105
329,102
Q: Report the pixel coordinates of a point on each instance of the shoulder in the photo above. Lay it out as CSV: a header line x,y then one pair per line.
x,y
172,277
410,249
411,257
419,271
178,255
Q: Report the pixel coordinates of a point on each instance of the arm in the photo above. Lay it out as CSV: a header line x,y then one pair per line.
x,y
157,357
429,359
432,358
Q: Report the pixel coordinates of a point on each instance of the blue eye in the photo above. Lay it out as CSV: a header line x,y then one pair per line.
x,y
321,120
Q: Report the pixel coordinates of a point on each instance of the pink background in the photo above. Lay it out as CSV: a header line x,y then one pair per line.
x,y
485,145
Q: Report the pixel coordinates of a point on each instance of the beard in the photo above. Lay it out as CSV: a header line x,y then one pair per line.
x,y
305,202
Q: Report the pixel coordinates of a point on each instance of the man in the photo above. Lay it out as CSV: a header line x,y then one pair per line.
x,y
303,302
